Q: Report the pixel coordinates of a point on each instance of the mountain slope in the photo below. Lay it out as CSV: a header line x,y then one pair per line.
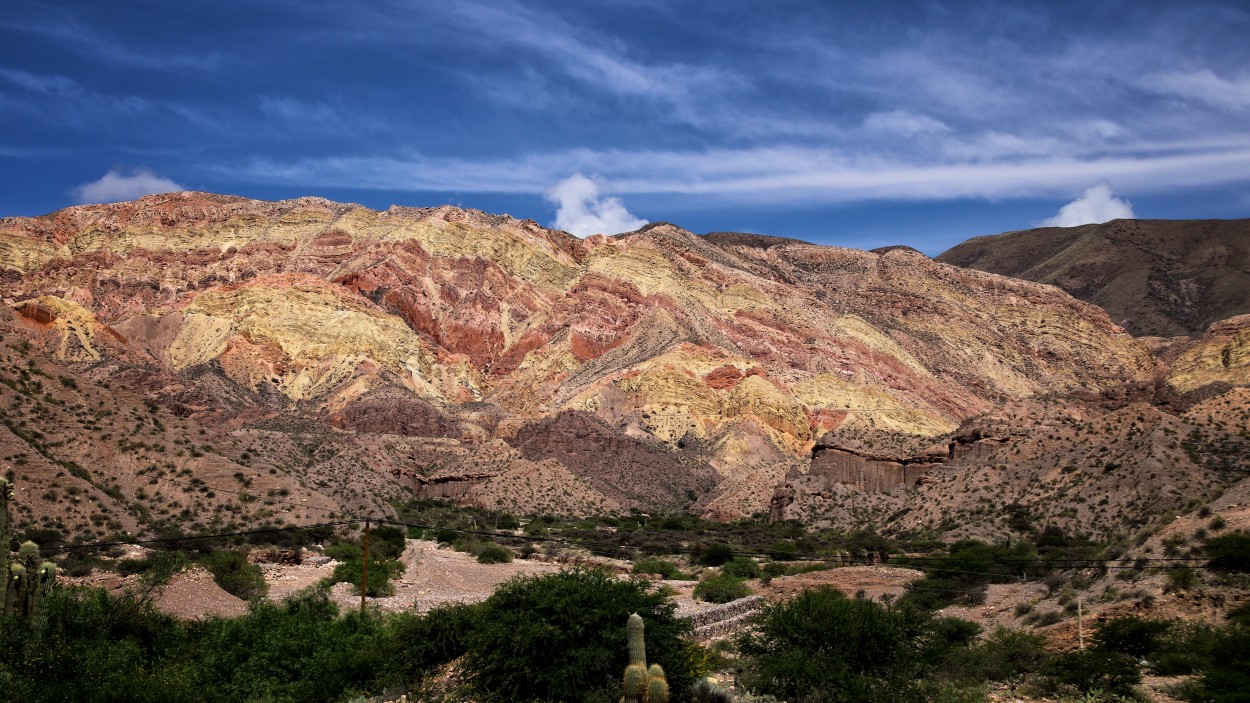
x,y
459,354
1154,277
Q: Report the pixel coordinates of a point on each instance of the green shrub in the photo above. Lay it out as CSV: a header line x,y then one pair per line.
x,y
235,575
716,554
386,542
1005,655
561,637
428,641
381,572
783,551
742,567
1226,676
773,569
1229,553
494,554
662,567
721,588
344,552
823,646
1137,637
1094,669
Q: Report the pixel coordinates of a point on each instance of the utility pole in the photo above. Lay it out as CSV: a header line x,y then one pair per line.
x,y
364,570
1080,624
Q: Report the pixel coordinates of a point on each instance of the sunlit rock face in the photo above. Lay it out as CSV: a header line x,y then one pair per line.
x,y
703,359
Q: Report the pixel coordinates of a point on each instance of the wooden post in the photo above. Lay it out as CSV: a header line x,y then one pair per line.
x,y
1080,624
364,570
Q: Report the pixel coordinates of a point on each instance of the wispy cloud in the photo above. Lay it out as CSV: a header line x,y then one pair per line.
x,y
83,104
1096,205
315,116
69,33
779,174
1204,86
116,186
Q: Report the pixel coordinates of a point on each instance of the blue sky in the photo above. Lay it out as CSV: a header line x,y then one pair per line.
x,y
843,123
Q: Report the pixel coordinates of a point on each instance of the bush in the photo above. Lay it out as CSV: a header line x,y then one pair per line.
x,y
742,567
1137,637
429,641
1229,553
721,588
783,551
344,552
386,542
823,646
716,554
235,575
1005,655
1094,669
561,637
1226,678
381,572
494,554
662,567
96,648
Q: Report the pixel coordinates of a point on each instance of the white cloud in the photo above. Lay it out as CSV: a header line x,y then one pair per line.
x,y
582,212
778,175
116,186
1096,205
908,124
1204,86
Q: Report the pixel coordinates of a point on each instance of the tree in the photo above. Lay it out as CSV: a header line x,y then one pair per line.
x,y
823,646
562,637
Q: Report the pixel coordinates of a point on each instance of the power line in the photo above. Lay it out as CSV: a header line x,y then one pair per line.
x,y
168,540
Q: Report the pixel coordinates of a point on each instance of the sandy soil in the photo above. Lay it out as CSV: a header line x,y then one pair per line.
x,y
432,577
874,581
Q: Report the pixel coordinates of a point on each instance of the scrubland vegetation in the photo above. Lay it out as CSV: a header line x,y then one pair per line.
x,y
562,636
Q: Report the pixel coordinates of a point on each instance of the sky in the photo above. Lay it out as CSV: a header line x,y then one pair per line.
x,y
854,124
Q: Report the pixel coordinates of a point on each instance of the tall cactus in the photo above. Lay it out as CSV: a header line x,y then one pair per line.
x,y
6,492
24,581
642,685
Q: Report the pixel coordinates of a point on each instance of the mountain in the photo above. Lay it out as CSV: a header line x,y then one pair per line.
x,y
1154,277
343,358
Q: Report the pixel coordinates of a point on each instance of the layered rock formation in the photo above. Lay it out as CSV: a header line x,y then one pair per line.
x,y
467,355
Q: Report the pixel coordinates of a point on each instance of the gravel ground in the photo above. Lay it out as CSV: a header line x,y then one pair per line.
x,y
432,577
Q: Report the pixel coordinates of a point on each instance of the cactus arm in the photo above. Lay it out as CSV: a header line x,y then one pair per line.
x,y
657,685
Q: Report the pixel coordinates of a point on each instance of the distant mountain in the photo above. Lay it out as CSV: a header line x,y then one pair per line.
x,y
1153,277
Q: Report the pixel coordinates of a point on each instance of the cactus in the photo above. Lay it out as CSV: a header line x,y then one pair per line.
x,y
657,685
637,645
6,491
44,582
635,685
15,599
24,581
642,685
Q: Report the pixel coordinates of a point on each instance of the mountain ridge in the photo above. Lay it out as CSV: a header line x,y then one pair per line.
x,y
454,353
1154,277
